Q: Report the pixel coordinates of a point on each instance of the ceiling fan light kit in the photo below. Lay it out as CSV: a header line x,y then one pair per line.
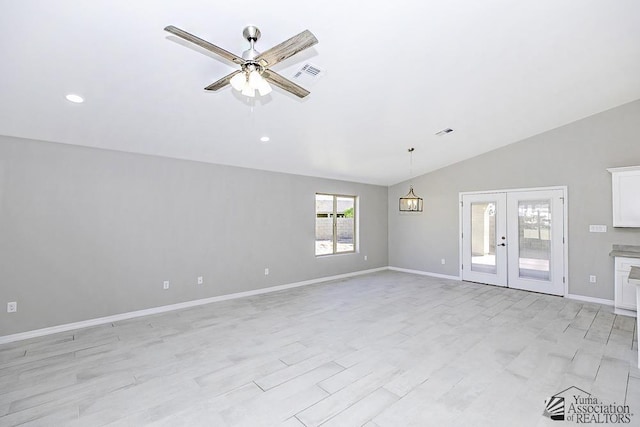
x,y
255,73
249,81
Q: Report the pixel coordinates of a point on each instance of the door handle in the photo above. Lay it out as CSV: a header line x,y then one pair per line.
x,y
502,244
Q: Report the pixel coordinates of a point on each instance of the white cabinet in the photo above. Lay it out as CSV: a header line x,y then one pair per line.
x,y
625,292
626,196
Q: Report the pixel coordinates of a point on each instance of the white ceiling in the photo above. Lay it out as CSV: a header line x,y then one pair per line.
x,y
396,72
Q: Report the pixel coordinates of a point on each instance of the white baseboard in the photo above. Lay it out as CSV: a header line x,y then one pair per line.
x,y
590,299
570,296
425,273
625,312
162,309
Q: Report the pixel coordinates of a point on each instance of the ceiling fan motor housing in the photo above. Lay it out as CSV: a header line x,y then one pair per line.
x,y
250,66
252,34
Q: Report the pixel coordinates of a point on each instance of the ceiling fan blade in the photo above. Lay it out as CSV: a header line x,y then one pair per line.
x,y
284,83
287,49
204,44
222,82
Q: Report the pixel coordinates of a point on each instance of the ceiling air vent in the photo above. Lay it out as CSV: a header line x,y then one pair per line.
x,y
308,74
444,131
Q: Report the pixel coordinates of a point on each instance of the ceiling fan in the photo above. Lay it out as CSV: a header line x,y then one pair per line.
x,y
255,67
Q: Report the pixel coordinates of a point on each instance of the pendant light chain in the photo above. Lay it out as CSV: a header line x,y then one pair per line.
x,y
411,166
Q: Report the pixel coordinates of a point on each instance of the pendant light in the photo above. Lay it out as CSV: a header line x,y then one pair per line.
x,y
410,202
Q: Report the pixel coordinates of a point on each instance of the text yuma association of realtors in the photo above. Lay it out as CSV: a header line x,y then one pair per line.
x,y
590,410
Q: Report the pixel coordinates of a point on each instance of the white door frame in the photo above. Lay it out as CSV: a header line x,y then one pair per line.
x,y
565,233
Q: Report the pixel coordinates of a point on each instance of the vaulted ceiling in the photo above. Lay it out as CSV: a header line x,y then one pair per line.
x,y
393,74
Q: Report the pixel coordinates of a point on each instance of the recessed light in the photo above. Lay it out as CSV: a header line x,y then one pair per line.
x,y
265,139
75,98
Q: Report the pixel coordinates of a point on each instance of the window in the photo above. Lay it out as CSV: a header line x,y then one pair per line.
x,y
335,224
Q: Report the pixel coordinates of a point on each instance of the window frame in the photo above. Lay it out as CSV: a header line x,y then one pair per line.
x,y
334,226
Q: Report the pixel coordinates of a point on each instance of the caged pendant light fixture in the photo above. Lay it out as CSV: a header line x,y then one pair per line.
x,y
410,202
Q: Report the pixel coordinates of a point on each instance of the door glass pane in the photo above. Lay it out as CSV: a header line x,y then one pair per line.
x,y
345,225
534,239
324,224
483,237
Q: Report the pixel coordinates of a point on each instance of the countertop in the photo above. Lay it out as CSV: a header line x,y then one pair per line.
x,y
629,251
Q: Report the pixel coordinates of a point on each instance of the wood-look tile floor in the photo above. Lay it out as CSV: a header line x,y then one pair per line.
x,y
386,349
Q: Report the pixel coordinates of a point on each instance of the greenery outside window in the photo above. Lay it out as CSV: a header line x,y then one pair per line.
x,y
335,224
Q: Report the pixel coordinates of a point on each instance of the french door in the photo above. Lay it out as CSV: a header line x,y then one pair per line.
x,y
515,239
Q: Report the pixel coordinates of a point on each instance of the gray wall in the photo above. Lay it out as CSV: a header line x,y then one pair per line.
x,y
576,155
86,233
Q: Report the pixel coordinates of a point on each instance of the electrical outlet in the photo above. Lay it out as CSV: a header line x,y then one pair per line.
x,y
200,280
165,284
442,261
592,279
12,307
266,271
365,257
597,228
